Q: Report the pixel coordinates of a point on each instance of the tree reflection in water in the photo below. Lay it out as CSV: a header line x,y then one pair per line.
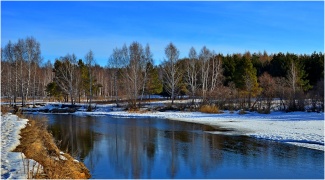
x,y
156,148
74,137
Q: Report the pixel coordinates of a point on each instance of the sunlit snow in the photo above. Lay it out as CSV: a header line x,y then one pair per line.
x,y
11,162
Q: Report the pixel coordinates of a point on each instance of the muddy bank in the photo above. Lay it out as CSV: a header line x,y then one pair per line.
x,y
38,144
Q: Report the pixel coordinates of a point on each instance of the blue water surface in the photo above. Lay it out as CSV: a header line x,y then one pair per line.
x,y
143,148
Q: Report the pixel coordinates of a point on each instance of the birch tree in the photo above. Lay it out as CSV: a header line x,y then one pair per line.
x,y
33,61
48,73
204,58
296,78
65,73
7,55
90,62
146,67
20,56
192,72
114,64
133,72
216,72
171,75
117,64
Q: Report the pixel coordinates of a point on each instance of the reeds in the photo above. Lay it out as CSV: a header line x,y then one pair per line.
x,y
213,109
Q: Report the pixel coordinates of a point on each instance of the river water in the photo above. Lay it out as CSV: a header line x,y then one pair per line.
x,y
116,147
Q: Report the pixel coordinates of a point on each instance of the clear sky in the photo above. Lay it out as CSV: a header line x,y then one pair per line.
x,y
225,27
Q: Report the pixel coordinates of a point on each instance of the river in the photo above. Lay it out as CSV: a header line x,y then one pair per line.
x,y
119,147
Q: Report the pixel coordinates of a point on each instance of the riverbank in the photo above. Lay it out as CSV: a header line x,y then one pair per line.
x,y
36,153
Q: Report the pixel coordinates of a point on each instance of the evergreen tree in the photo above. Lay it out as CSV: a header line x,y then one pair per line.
x,y
53,90
154,84
83,85
246,79
314,67
278,65
229,66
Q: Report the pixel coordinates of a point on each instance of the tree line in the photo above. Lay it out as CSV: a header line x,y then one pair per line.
x,y
250,81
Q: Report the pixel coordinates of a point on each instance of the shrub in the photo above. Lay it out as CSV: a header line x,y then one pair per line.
x,y
209,109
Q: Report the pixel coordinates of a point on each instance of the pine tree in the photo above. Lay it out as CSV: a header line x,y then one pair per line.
x,y
154,84
246,78
53,90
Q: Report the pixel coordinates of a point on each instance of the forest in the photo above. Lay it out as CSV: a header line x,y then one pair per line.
x,y
251,81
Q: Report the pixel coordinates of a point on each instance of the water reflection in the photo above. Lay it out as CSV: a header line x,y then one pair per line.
x,y
73,136
156,148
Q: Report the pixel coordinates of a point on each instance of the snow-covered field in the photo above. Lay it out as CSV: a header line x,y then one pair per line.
x,y
11,162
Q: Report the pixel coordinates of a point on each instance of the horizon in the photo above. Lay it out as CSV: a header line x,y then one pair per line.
x,y
225,27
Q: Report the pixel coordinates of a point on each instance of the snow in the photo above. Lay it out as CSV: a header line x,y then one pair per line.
x,y
11,162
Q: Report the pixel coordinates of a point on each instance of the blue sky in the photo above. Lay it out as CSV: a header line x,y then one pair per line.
x,y
225,27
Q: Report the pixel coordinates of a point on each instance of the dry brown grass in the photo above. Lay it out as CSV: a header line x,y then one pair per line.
x,y
5,109
37,144
210,109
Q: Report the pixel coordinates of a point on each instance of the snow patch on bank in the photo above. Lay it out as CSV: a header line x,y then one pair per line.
x,y
11,162
298,128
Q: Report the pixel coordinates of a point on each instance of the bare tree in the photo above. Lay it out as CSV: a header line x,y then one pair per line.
x,y
281,91
249,85
204,58
33,61
65,73
48,74
20,56
134,71
293,80
131,62
90,62
216,74
5,88
318,96
114,63
268,86
192,72
147,60
7,55
171,75
292,77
